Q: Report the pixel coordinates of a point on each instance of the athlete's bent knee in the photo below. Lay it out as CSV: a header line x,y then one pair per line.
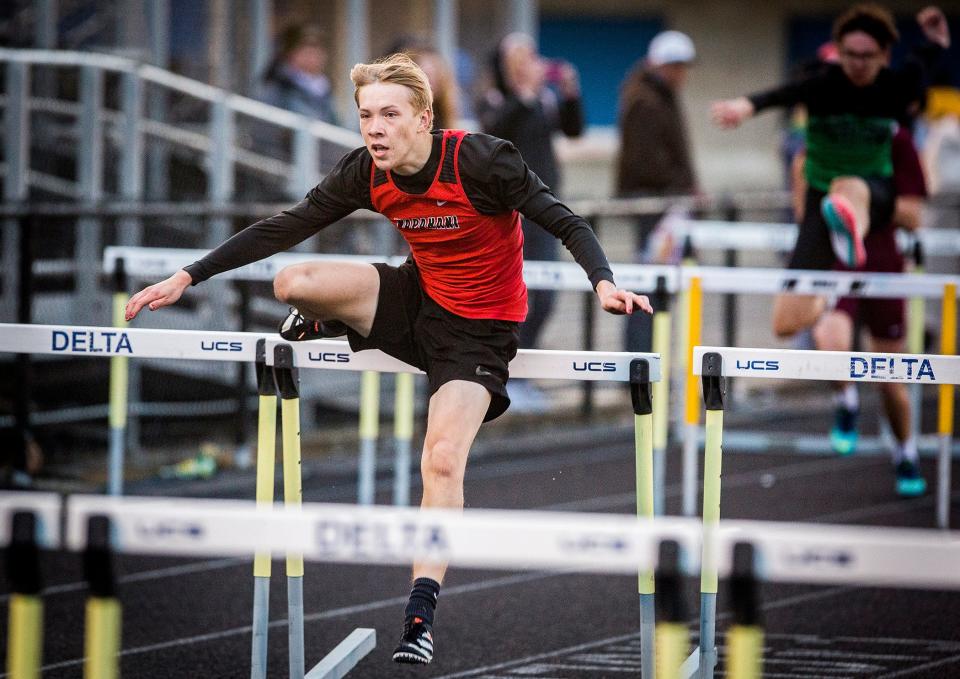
x,y
442,461
287,284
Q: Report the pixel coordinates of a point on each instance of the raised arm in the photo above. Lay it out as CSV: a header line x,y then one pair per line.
x,y
340,193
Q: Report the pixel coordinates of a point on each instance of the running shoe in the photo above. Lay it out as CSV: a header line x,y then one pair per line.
x,y
297,328
843,435
416,643
910,483
842,223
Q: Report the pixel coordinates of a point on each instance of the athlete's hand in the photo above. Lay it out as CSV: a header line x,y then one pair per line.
x,y
619,301
158,295
934,25
729,113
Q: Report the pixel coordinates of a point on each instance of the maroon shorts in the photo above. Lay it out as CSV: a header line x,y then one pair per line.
x,y
885,318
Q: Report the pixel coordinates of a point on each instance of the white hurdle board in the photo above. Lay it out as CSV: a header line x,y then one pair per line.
x,y
160,263
104,342
850,366
518,540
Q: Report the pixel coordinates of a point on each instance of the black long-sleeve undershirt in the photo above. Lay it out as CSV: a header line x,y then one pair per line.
x,y
494,177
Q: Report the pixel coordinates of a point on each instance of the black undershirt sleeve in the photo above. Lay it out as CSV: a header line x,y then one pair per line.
x,y
786,95
345,189
496,178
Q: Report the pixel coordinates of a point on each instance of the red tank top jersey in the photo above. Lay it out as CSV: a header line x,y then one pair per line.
x,y
470,264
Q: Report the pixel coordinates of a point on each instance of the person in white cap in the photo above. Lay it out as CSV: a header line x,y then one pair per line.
x,y
655,157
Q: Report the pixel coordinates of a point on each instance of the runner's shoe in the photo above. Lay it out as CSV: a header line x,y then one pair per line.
x,y
842,224
843,435
297,328
910,483
416,643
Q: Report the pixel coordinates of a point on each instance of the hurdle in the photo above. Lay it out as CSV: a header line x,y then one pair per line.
x,y
558,276
760,281
663,281
284,358
715,363
514,540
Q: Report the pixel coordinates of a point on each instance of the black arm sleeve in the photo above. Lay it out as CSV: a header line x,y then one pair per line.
x,y
345,189
496,178
785,95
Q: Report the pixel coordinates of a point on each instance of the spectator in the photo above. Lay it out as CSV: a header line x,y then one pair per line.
x,y
296,80
531,99
654,151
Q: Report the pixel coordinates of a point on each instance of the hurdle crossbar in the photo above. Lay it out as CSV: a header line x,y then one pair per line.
x,y
706,234
105,342
513,540
853,366
157,262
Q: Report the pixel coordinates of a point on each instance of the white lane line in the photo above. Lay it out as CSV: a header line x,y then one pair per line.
x,y
468,588
780,603
919,668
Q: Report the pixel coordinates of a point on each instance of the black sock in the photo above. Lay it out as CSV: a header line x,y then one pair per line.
x,y
423,600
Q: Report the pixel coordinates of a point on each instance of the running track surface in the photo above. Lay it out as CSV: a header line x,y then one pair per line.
x,y
190,618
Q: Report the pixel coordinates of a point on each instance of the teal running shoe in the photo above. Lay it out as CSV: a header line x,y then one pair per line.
x,y
841,221
910,483
844,435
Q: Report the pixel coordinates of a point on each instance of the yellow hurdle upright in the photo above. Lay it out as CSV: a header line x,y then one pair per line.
x,y
745,637
712,456
948,347
266,470
643,441
103,610
673,641
25,618
661,392
691,430
289,387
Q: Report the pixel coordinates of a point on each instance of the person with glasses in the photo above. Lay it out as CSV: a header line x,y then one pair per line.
x,y
854,108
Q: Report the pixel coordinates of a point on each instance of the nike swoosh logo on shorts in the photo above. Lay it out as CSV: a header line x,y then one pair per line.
x,y
483,372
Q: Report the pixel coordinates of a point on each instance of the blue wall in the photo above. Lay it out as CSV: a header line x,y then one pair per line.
x,y
603,50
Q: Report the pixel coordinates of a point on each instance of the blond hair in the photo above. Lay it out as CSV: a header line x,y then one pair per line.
x,y
398,69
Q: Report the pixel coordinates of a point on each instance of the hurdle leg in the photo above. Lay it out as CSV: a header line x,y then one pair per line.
x,y
643,443
745,638
691,432
948,347
103,611
713,399
369,430
402,436
119,389
25,617
287,382
672,639
916,318
661,393
266,460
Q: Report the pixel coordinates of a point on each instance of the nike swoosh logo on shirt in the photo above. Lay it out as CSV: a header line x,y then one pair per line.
x,y
441,203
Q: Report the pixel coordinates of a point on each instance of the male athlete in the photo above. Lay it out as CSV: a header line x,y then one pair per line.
x,y
853,108
453,309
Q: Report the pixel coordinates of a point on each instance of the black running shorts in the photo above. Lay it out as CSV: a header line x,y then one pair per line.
x,y
813,249
410,326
